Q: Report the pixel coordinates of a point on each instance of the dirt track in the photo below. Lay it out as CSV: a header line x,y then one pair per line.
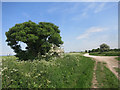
x,y
110,61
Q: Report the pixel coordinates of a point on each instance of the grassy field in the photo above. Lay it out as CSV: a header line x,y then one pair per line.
x,y
110,53
105,77
71,71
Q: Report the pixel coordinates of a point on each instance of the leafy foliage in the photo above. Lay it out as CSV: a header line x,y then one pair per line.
x,y
104,47
38,38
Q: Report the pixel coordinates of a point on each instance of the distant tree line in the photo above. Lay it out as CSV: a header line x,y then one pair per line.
x,y
103,48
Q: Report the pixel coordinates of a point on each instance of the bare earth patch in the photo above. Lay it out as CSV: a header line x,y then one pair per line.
x,y
94,81
110,61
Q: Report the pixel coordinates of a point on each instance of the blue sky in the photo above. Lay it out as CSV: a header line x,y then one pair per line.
x,y
83,25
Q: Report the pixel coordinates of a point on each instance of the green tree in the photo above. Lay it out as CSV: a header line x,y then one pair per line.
x,y
86,51
38,38
104,47
98,50
89,51
93,50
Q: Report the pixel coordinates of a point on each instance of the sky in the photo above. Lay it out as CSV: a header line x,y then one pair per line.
x,y
60,0
83,25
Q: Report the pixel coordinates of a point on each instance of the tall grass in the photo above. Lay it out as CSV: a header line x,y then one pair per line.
x,y
71,71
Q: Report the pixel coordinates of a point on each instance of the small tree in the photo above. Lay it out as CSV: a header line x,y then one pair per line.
x,y
98,50
93,50
38,38
89,51
85,51
104,47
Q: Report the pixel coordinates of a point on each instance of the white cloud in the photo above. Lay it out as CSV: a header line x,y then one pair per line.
x,y
90,31
72,9
90,8
94,7
85,35
99,8
51,10
84,14
26,15
95,29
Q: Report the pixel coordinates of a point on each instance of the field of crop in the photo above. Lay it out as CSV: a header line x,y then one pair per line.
x,y
110,53
71,71
105,77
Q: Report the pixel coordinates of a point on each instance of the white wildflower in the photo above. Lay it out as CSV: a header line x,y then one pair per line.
x,y
48,81
11,79
39,74
11,71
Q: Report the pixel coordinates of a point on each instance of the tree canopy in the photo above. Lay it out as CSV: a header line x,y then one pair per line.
x,y
104,47
38,38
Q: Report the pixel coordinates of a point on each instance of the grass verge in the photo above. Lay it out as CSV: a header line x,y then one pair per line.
x,y
71,71
117,70
118,58
105,78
